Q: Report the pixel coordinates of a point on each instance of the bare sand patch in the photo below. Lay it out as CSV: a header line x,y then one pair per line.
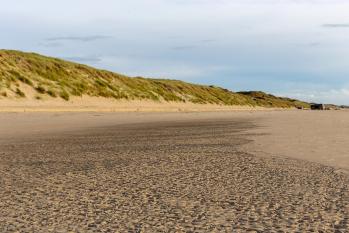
x,y
99,104
317,136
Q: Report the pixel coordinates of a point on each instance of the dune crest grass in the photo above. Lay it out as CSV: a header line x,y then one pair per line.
x,y
56,78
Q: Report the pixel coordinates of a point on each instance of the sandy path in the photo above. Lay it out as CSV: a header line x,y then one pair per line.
x,y
160,173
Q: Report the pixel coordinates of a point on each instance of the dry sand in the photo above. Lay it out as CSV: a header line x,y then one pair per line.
x,y
317,136
174,172
99,104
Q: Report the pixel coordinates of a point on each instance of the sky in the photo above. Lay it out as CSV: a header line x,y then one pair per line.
x,y
295,48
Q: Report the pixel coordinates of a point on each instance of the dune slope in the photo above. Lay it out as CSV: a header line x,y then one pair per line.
x,y
33,76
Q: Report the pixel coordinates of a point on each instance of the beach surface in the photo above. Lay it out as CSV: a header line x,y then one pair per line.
x,y
239,171
99,104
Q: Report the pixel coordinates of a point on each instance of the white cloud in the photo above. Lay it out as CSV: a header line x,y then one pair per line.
x,y
337,96
263,44
159,69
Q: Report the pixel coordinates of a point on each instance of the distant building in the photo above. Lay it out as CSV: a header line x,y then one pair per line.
x,y
318,107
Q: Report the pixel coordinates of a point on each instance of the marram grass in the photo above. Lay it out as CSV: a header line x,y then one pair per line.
x,y
56,78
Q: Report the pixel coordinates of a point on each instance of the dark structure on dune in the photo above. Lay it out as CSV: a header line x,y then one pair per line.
x,y
317,107
325,107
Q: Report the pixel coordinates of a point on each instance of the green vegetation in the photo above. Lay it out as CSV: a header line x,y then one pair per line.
x,y
64,95
40,89
52,93
268,100
57,78
20,93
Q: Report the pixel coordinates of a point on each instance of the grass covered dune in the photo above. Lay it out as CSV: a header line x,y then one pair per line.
x,y
30,76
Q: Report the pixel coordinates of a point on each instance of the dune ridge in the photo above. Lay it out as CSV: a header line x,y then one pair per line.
x,y
30,80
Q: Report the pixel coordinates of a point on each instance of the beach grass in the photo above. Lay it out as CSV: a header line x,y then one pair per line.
x,y
56,78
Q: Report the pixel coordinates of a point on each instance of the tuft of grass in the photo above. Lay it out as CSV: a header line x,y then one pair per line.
x,y
17,75
20,93
40,89
51,93
64,95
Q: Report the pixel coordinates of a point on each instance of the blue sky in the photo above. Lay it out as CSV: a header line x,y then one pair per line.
x,y
295,48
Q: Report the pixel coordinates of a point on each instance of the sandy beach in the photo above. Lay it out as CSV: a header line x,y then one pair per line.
x,y
98,104
236,171
317,136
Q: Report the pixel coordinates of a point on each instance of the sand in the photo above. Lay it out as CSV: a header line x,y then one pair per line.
x,y
317,136
99,104
173,172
